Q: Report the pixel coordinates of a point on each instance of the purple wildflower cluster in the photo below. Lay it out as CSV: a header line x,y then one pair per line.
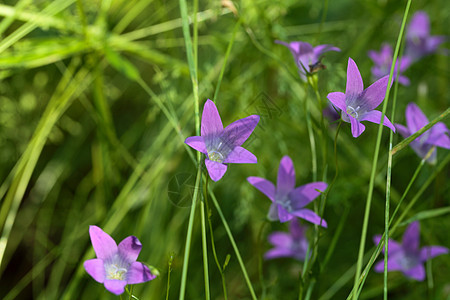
x,y
419,43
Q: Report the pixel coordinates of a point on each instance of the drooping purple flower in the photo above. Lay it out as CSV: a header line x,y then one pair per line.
x,y
116,266
306,57
407,257
223,146
419,42
293,244
435,136
383,62
287,200
358,104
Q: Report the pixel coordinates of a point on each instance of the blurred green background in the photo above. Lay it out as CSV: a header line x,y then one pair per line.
x,y
96,101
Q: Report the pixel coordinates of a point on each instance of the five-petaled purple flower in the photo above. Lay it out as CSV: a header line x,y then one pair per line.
x,y
223,146
358,104
306,57
435,136
407,256
419,42
383,62
289,201
293,244
116,266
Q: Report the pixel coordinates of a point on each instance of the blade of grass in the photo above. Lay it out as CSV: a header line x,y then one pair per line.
x,y
375,158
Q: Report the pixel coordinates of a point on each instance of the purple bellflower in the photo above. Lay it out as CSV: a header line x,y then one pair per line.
x,y
306,57
407,256
383,62
358,104
116,266
293,244
223,146
435,136
287,200
419,42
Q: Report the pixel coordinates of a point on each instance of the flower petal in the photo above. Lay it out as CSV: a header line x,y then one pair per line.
x,y
304,194
374,116
278,252
402,130
374,94
197,143
411,237
211,122
104,245
238,132
95,268
297,230
240,155
338,100
439,136
115,286
310,216
283,215
138,273
280,239
415,118
419,26
321,49
429,252
417,272
392,265
286,175
216,170
355,84
433,42
129,248
264,185
273,212
393,246
357,127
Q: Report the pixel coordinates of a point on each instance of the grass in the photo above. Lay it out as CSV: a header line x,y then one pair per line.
x,y
99,96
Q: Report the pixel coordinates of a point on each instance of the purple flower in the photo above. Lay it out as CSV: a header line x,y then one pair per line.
x,y
419,42
288,201
408,257
435,136
358,104
306,57
293,244
383,62
223,146
116,266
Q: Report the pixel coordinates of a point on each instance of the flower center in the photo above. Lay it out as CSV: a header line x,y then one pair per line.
x,y
113,271
353,111
215,156
285,203
408,261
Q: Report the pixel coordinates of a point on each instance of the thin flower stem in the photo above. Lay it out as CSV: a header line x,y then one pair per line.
x,y
213,247
225,60
311,136
204,247
189,233
169,271
375,160
233,243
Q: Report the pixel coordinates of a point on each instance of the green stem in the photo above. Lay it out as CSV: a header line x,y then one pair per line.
x,y
169,271
311,136
375,161
233,243
204,248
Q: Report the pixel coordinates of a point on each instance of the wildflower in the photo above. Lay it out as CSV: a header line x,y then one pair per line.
x,y
293,244
330,113
116,266
288,201
307,58
383,62
419,42
223,146
435,136
407,256
357,104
